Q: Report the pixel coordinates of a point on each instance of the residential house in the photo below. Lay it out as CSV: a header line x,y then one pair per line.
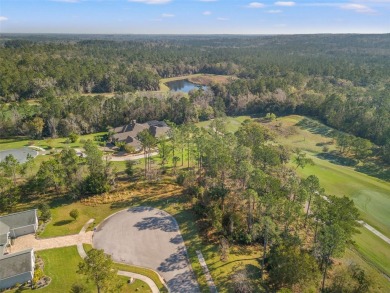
x,y
16,268
128,133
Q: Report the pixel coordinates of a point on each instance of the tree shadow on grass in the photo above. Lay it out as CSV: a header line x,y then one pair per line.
x,y
335,158
375,170
62,222
140,209
315,127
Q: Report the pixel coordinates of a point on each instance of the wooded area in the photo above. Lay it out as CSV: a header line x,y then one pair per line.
x,y
242,186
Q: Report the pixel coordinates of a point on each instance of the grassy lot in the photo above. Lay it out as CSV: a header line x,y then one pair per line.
x,y
232,123
371,195
19,142
61,265
380,256
133,269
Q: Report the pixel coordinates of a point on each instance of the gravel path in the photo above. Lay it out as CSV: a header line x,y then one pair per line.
x,y
375,231
209,279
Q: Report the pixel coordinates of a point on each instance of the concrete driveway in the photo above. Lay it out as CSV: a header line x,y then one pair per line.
x,y
150,238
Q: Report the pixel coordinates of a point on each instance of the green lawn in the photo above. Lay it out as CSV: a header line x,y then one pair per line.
x,y
61,265
232,123
380,256
20,142
371,195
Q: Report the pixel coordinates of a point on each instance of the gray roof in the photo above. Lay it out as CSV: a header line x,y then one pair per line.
x,y
128,133
16,263
20,219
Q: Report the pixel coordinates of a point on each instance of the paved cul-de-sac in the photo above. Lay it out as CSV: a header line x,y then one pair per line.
x,y
151,238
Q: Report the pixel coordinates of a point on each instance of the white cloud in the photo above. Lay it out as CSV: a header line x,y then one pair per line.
x,y
151,1
274,11
255,5
167,15
3,18
222,18
206,12
360,8
285,3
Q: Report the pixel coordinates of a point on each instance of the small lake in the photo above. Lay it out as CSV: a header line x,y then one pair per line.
x,y
183,85
19,154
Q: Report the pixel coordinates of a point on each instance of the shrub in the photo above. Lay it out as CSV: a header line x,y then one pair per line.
x,y
74,214
45,212
73,137
79,288
130,168
129,149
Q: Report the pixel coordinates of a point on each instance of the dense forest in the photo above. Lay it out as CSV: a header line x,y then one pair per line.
x,y
343,80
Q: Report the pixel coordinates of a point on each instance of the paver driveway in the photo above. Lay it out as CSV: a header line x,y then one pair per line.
x,y
151,238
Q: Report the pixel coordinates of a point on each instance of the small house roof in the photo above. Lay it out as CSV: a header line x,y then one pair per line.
x,y
16,263
20,219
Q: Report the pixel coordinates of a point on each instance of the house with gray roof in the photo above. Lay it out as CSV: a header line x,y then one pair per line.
x,y
17,224
128,133
16,268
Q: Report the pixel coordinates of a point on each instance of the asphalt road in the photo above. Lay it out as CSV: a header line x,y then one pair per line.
x,y
150,238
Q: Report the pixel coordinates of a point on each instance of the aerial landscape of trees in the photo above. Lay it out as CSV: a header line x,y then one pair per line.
x,y
244,187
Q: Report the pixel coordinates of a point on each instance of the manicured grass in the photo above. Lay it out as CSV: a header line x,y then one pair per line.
x,y
19,142
61,266
370,195
232,123
142,271
380,256
63,224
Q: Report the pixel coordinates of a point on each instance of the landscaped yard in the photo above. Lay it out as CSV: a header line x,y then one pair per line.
x,y
61,265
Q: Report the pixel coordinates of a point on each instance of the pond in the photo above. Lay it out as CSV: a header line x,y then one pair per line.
x,y
183,85
19,154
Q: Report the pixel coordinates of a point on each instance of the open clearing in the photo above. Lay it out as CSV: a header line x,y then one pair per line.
x,y
151,238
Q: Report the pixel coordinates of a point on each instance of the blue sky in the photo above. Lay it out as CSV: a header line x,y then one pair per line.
x,y
194,16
